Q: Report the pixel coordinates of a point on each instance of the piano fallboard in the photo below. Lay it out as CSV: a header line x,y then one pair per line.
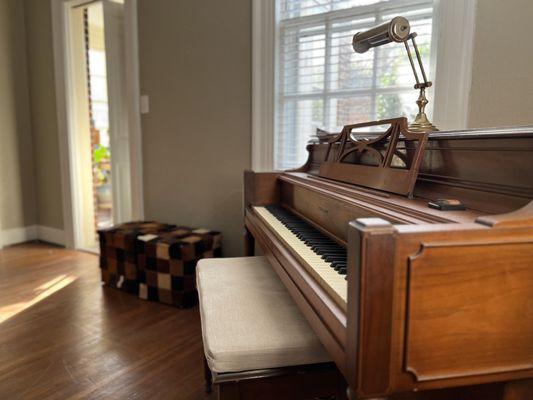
x,y
332,205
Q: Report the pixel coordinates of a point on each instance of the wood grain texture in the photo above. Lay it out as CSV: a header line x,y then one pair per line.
x,y
392,167
260,188
488,169
518,218
64,336
467,274
469,309
370,304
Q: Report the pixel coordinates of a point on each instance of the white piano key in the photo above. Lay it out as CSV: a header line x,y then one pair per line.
x,y
333,282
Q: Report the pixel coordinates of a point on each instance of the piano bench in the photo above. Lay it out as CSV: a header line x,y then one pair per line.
x,y
257,344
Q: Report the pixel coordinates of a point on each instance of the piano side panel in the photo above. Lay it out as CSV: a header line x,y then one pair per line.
x,y
463,311
469,309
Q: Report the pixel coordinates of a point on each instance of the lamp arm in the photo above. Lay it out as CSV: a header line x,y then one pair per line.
x,y
418,85
426,82
412,63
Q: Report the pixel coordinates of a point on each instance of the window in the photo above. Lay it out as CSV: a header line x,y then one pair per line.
x,y
323,84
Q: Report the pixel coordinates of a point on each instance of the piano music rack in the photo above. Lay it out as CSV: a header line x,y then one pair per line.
x,y
388,161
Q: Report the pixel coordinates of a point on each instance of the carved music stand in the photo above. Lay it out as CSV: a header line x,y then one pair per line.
x,y
388,162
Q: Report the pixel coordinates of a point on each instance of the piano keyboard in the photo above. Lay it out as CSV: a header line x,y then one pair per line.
x,y
324,258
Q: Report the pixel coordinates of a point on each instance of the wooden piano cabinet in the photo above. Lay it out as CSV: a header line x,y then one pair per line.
x,y
440,306
440,303
260,188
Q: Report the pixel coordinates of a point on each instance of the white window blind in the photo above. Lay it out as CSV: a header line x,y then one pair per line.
x,y
323,84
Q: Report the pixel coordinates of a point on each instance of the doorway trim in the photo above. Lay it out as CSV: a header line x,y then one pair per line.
x,y
63,78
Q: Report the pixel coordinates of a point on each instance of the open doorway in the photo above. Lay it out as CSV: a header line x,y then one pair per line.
x,y
101,132
98,111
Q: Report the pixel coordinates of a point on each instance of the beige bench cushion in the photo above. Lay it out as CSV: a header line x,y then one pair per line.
x,y
249,320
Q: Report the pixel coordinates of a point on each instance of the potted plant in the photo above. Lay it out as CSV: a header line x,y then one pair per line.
x,y
102,174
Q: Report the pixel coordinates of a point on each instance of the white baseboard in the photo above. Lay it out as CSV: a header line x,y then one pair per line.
x,y
51,235
19,235
32,232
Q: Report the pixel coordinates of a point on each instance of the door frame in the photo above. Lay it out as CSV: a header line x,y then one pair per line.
x,y
64,100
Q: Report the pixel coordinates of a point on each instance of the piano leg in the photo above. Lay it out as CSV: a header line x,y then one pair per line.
x,y
249,243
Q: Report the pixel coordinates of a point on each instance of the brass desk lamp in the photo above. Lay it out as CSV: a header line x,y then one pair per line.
x,y
398,30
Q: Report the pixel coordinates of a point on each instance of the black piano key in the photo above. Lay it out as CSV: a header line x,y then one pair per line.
x,y
338,264
313,241
328,251
334,261
333,257
328,246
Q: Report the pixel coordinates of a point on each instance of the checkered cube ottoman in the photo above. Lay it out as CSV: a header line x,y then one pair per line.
x,y
156,261
168,261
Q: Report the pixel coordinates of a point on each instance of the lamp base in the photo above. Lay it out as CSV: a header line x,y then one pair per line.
x,y
422,124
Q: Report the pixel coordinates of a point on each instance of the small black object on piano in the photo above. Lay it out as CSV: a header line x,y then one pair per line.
x,y
446,204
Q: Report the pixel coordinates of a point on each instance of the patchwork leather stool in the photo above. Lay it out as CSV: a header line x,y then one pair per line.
x,y
257,344
156,261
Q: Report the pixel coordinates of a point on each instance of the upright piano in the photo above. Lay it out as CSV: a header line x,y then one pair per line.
x,y
411,301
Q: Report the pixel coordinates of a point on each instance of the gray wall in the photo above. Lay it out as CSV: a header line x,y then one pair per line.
x,y
195,62
43,113
17,194
195,65
502,70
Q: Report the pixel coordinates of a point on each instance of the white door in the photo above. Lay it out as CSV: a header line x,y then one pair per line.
x,y
118,117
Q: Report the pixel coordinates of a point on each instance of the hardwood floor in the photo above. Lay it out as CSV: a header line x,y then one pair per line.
x,y
64,336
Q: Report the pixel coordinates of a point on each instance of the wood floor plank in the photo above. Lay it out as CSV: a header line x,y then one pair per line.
x,y
64,336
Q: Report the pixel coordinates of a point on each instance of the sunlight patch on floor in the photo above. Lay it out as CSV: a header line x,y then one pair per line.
x,y
42,292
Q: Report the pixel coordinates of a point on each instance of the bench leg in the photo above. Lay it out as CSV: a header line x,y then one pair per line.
x,y
208,377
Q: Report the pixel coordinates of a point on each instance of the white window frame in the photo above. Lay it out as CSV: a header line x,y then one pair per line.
x,y
453,34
